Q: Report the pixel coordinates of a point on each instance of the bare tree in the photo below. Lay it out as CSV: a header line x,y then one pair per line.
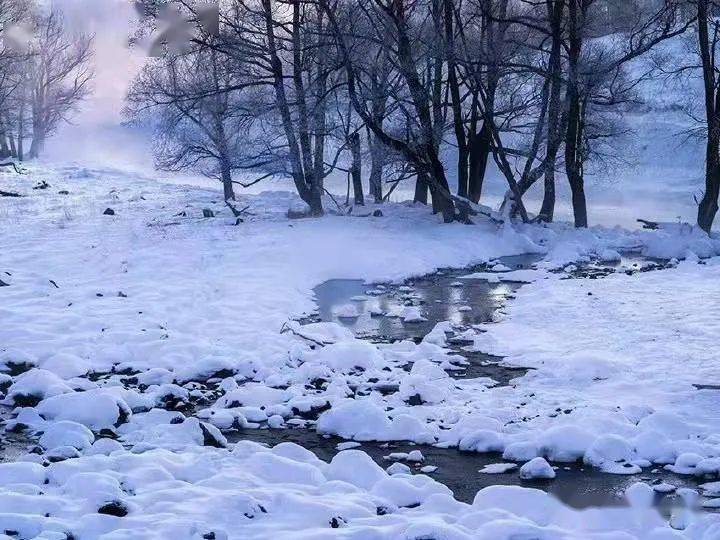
x,y
15,55
708,35
60,74
417,91
199,122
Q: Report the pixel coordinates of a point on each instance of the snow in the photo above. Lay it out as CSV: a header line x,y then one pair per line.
x,y
498,468
37,383
412,314
517,276
127,312
537,468
621,361
612,454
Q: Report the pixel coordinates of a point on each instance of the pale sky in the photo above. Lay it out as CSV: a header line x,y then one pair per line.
x,y
115,63
94,134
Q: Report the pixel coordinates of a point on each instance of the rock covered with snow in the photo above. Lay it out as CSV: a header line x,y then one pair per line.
x,y
537,469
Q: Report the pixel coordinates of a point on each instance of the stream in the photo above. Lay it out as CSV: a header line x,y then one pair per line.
x,y
477,301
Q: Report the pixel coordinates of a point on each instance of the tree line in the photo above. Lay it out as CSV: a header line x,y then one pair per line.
x,y
423,90
45,72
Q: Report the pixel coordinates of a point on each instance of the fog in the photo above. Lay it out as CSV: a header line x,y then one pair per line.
x,y
96,133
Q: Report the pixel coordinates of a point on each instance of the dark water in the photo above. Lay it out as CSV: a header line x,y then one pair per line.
x,y
442,296
576,485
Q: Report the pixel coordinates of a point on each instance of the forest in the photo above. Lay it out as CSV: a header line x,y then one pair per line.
x,y
423,90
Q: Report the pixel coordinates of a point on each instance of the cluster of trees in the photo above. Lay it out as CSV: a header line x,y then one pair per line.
x,y
413,89
45,72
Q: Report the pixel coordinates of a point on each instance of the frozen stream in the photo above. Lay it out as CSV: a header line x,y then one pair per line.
x,y
442,299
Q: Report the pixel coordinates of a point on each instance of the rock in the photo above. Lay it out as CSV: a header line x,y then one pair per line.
x,y
63,192
207,213
398,468
113,508
212,436
109,212
61,453
377,213
537,468
26,400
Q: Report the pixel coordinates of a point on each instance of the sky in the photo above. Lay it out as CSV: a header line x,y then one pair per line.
x,y
115,62
96,133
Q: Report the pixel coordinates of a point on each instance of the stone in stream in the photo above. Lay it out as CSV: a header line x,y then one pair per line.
x,y
537,468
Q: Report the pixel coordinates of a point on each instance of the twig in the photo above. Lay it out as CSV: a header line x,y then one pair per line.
x,y
287,328
333,199
652,225
12,164
237,213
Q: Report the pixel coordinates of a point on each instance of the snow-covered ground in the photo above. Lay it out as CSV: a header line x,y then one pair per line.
x,y
107,318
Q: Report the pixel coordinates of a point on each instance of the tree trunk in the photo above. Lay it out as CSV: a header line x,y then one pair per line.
x,y
421,188
20,144
573,137
377,164
226,175
35,147
708,206
462,171
315,199
479,155
4,148
442,199
555,14
456,101
301,162
356,169
13,148
38,141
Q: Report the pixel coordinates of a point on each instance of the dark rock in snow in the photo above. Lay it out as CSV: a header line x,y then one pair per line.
x,y
63,192
207,213
26,400
212,437
41,185
61,453
109,212
377,213
113,508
